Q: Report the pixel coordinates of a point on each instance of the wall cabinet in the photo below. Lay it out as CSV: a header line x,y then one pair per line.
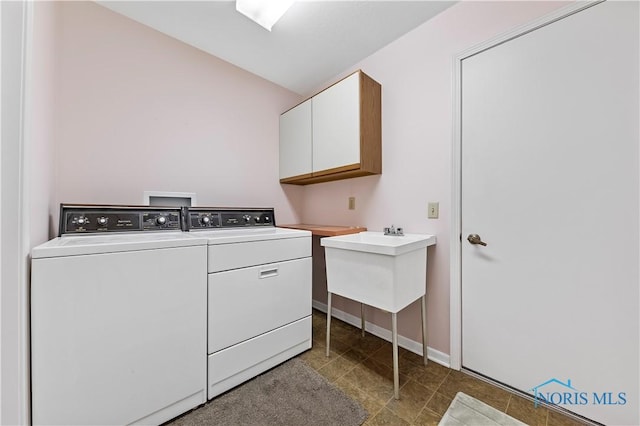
x,y
336,134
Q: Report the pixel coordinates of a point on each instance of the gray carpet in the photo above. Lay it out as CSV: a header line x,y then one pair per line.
x,y
468,411
291,394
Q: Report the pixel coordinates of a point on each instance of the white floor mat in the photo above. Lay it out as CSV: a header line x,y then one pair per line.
x,y
465,410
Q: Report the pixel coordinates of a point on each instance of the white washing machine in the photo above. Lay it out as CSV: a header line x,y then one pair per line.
x,y
259,292
118,318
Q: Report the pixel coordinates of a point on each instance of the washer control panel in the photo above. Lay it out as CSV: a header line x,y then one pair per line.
x,y
89,219
219,218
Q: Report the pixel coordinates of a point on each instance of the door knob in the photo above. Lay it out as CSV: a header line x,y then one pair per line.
x,y
475,239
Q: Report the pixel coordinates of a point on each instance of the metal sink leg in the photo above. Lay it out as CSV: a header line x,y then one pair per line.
x,y
424,328
394,340
328,321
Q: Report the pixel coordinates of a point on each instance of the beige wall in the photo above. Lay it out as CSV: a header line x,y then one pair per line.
x,y
41,150
139,111
416,73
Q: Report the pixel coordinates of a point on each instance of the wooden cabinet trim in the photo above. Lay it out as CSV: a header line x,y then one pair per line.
x,y
370,124
332,177
295,179
335,170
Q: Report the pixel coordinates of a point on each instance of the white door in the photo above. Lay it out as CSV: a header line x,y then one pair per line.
x,y
550,183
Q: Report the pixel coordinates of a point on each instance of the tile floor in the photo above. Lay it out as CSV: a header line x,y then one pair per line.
x,y
362,367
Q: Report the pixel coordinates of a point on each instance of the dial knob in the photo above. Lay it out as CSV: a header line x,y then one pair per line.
x,y
102,221
257,219
267,219
205,220
161,220
246,218
81,220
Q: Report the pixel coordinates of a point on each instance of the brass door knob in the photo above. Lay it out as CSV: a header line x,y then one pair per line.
x,y
475,239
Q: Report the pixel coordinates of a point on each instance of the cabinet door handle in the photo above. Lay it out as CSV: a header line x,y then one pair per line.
x,y
271,272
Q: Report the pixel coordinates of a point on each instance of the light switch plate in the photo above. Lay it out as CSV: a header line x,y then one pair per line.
x,y
352,203
433,210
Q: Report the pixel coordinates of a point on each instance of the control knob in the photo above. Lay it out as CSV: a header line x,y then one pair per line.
x,y
102,221
257,219
82,220
161,220
247,218
205,220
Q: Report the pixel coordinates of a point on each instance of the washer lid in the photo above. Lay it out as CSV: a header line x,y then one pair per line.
x,y
74,245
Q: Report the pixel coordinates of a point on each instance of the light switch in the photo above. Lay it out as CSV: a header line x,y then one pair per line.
x,y
433,210
352,203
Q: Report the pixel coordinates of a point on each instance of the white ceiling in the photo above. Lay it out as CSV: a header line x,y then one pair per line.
x,y
310,44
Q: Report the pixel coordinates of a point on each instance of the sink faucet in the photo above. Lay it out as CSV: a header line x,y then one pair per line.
x,y
393,231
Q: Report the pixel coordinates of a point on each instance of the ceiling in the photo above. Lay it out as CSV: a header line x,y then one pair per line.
x,y
313,42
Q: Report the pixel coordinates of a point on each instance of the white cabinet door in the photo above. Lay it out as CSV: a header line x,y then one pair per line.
x,y
295,141
336,125
247,302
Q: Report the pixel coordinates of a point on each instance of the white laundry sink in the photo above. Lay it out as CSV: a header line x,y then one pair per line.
x,y
384,271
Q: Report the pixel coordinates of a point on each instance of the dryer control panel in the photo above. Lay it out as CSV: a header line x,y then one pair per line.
x,y
92,219
220,218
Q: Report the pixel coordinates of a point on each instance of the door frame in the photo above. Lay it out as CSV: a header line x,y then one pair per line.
x,y
15,205
455,295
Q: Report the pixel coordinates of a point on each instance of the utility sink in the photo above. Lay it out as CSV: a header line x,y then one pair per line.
x,y
384,271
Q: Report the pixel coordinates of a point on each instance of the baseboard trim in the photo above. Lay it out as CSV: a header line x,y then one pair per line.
x,y
404,342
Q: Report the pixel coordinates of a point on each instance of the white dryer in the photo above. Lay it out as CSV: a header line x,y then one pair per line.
x,y
118,318
259,292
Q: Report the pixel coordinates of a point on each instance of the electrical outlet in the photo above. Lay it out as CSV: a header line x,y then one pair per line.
x,y
433,210
352,203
